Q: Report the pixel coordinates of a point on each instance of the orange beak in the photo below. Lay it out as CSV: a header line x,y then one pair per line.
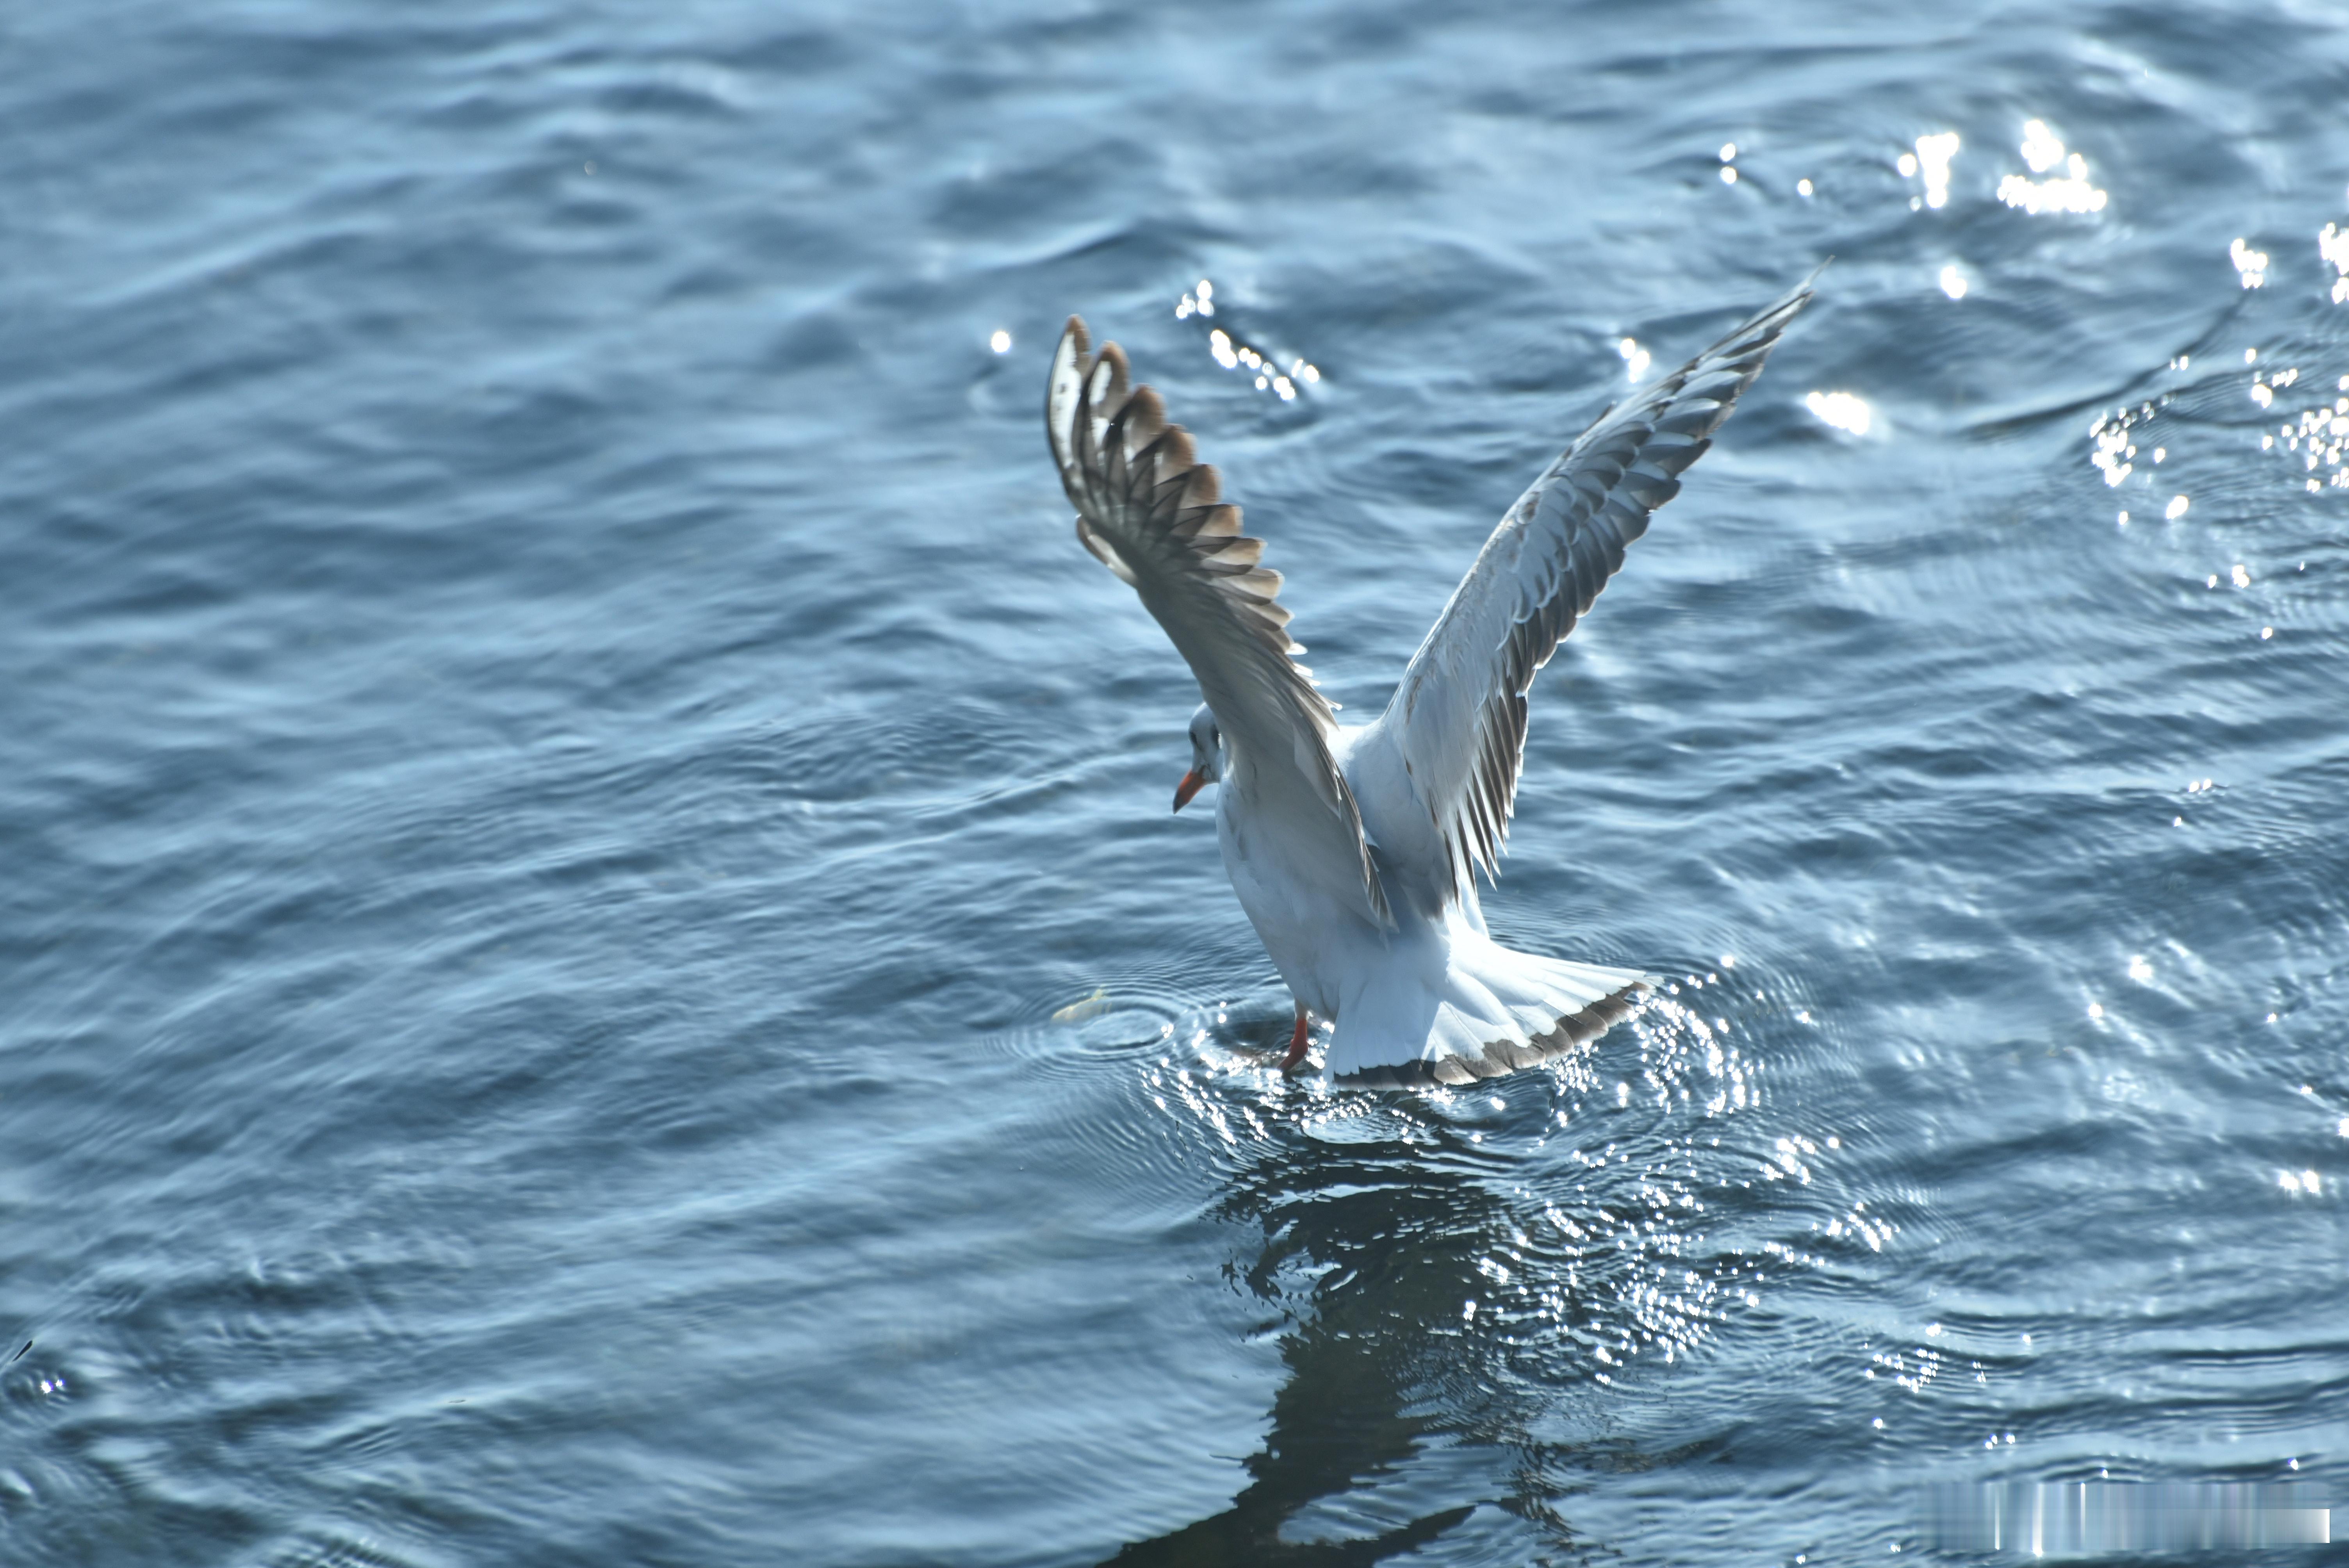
x,y
1192,784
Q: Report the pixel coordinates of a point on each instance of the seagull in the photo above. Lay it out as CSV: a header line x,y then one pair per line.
x,y
1356,850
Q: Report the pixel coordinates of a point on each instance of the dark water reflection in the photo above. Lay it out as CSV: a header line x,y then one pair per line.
x,y
1459,1279
1376,1245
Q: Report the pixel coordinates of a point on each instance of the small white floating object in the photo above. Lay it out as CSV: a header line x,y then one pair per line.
x,y
1093,1006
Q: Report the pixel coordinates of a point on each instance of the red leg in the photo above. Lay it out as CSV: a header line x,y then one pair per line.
x,y
1296,1042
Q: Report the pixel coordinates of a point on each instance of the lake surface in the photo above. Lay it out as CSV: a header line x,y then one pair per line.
x,y
596,969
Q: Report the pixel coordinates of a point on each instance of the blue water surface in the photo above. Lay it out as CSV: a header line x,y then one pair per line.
x,y
596,969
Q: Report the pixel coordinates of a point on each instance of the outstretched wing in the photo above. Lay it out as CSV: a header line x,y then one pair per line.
x,y
1149,509
1458,719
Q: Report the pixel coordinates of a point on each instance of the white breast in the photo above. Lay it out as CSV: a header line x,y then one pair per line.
x,y
1308,912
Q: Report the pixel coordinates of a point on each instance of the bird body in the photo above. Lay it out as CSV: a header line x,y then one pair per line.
x,y
1428,996
1355,850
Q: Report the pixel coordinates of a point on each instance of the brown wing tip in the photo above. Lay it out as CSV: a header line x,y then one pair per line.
x,y
1177,453
1120,376
1146,419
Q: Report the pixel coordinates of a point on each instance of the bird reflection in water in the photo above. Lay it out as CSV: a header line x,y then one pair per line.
x,y
1448,1278
1393,1232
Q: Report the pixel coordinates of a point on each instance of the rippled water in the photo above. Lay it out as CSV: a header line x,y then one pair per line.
x,y
596,967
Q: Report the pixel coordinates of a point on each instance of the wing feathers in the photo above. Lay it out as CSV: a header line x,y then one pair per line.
x,y
1458,719
1150,511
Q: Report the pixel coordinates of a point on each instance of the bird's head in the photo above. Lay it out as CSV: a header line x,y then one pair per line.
x,y
1206,755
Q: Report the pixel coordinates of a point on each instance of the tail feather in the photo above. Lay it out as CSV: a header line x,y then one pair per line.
x,y
1492,1011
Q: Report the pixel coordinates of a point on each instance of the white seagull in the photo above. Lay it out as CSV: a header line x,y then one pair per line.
x,y
1355,849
